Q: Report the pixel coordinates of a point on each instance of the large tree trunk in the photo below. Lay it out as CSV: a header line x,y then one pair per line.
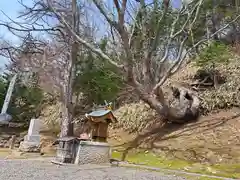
x,y
67,125
187,108
67,128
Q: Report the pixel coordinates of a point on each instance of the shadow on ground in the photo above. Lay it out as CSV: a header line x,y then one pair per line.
x,y
152,138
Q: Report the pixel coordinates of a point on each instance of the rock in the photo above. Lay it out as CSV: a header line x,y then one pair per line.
x,y
29,147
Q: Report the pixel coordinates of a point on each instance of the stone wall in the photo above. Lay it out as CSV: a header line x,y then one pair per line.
x,y
6,132
92,153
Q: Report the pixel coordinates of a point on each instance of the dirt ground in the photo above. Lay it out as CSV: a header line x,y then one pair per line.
x,y
212,139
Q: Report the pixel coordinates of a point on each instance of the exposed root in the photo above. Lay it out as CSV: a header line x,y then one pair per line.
x,y
187,107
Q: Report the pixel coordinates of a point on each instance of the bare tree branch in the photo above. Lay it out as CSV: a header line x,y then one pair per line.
x,y
94,49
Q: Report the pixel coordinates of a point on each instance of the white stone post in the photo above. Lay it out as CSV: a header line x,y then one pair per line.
x,y
9,94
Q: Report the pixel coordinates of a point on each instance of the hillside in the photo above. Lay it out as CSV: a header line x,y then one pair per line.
x,y
214,138
225,96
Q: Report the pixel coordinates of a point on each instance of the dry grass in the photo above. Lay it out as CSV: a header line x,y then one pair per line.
x,y
213,139
224,97
134,117
51,118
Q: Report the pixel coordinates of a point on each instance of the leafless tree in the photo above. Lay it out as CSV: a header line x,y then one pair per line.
x,y
55,60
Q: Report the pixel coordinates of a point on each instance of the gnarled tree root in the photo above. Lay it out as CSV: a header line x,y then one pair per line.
x,y
188,107
186,110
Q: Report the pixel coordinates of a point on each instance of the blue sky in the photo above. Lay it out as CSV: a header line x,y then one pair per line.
x,y
4,6
12,7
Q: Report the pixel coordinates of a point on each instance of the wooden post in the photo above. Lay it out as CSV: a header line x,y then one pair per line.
x,y
12,142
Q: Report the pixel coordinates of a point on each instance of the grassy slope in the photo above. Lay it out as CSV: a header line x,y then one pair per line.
x,y
151,159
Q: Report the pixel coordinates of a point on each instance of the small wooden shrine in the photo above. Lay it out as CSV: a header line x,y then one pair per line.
x,y
99,121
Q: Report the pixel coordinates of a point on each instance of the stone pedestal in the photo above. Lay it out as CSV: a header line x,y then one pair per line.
x,y
92,153
31,141
26,146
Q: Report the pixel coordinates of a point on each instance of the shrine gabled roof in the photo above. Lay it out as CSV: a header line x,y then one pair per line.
x,y
95,115
99,113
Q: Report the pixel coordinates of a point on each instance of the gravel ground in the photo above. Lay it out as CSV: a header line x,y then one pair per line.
x,y
44,170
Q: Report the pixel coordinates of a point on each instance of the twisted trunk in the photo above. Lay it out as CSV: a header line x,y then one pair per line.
x,y
186,110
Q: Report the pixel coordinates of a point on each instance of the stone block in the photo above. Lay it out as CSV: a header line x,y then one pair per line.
x,y
92,153
26,146
32,138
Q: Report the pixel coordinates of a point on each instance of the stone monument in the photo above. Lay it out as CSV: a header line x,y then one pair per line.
x,y
31,141
9,94
4,117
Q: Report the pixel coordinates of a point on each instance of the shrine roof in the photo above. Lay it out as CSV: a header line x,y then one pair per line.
x,y
99,113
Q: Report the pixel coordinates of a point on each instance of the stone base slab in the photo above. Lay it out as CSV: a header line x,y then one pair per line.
x,y
26,146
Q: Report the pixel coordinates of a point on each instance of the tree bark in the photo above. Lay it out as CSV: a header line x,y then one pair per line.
x,y
67,125
67,105
186,110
